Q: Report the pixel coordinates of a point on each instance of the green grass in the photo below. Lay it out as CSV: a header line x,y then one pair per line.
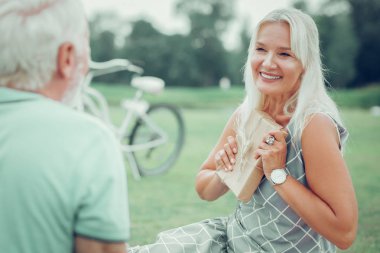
x,y
217,98
183,97
169,200
358,98
363,158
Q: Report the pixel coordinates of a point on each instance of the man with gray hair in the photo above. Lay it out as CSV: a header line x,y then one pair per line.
x,y
62,177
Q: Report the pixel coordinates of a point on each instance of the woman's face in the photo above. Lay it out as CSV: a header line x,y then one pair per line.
x,y
275,68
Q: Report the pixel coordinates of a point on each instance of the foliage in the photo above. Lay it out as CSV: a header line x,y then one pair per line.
x,y
195,59
208,20
338,47
167,56
350,43
366,20
102,36
146,47
237,58
207,17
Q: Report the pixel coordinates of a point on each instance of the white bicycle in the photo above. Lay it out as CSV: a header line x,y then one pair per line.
x,y
151,135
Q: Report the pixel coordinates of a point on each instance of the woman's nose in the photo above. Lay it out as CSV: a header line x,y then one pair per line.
x,y
269,61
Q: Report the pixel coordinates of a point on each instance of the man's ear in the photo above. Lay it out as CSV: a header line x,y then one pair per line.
x,y
66,60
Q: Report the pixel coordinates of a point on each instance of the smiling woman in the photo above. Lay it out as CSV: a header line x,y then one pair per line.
x,y
275,68
297,207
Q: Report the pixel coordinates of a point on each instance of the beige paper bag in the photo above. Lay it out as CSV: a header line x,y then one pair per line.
x,y
247,173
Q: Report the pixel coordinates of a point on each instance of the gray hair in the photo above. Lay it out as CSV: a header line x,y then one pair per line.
x,y
31,33
312,96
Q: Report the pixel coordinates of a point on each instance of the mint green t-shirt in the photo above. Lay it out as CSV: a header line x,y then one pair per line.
x,y
61,175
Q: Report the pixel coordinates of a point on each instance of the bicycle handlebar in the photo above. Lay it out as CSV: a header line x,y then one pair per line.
x,y
115,65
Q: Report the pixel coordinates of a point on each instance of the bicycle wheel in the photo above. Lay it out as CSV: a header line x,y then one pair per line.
x,y
156,160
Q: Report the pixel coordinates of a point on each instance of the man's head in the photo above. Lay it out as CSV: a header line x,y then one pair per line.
x,y
44,46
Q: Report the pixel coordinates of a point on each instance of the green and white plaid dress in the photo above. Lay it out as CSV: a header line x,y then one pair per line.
x,y
265,224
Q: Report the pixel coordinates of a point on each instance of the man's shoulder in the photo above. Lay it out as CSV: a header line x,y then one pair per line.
x,y
67,117
53,118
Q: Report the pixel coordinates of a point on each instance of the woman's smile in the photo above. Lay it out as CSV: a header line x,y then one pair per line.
x,y
276,70
269,77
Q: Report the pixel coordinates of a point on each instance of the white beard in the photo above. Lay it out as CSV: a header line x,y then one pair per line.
x,y
72,96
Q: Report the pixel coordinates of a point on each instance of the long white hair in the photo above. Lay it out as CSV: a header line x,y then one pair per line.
x,y
311,96
31,33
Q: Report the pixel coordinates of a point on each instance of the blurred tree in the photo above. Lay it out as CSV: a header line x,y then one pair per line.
x,y
197,59
168,57
102,41
102,36
366,19
146,46
207,17
301,5
350,40
182,64
208,20
103,46
338,47
350,43
337,40
238,57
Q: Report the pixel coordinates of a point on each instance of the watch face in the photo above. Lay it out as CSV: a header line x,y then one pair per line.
x,y
278,176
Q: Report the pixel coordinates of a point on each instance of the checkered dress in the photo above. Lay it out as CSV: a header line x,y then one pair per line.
x,y
265,224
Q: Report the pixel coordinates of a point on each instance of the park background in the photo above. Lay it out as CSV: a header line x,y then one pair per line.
x,y
207,50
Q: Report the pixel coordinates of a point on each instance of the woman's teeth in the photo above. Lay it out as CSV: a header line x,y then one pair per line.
x,y
269,77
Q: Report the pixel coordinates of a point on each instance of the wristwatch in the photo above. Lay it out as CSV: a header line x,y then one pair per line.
x,y
278,176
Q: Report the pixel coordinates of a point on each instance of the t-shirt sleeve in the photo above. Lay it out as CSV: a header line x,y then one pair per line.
x,y
101,191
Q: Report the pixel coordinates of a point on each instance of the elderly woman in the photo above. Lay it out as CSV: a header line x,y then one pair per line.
x,y
306,201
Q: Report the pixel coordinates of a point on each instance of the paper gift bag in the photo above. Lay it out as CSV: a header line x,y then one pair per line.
x,y
247,172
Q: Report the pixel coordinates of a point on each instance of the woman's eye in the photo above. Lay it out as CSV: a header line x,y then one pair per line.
x,y
284,54
259,49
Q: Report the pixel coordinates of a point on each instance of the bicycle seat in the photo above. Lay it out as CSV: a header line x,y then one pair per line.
x,y
148,84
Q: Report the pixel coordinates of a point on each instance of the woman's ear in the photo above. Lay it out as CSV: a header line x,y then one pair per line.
x,y
66,60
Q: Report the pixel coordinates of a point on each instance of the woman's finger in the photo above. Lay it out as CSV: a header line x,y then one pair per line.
x,y
233,144
218,160
230,154
279,135
265,146
258,153
269,139
226,161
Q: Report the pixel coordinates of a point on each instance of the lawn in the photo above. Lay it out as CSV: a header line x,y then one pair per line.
x,y
169,200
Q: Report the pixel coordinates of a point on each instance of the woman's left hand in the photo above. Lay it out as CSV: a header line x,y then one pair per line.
x,y
273,155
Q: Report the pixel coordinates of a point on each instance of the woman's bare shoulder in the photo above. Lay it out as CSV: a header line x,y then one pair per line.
x,y
320,126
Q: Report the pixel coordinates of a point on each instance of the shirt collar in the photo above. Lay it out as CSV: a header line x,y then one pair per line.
x,y
8,95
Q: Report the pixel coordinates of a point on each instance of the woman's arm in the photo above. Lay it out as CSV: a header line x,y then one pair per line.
x,y
86,245
329,207
208,184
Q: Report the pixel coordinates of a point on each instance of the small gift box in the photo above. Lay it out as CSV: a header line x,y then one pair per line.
x,y
247,172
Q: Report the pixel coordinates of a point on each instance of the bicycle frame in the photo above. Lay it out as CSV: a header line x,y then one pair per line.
x,y
135,110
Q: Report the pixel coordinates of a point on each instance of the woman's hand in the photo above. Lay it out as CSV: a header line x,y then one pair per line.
x,y
273,155
226,158
208,184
